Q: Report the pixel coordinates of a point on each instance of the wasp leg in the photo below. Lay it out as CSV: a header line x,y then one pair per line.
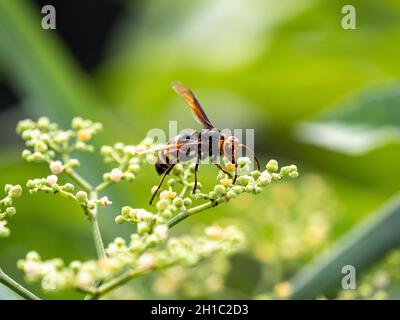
x,y
195,177
235,176
222,169
197,163
161,181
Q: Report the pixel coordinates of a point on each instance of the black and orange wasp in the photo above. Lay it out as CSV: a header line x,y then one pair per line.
x,y
209,142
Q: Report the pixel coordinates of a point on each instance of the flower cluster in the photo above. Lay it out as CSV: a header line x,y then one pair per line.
x,y
127,160
285,228
142,255
174,203
151,247
45,140
6,208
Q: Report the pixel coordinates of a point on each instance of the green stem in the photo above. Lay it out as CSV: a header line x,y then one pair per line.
x,y
77,178
187,213
98,241
102,186
117,282
16,287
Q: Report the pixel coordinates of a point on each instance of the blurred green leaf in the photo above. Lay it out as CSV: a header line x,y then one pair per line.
x,y
362,123
362,247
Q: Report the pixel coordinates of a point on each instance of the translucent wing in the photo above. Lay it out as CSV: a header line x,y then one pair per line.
x,y
193,104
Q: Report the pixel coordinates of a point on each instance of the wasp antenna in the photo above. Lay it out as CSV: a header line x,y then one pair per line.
x,y
253,154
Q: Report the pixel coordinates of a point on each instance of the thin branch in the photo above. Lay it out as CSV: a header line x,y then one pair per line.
x,y
98,241
77,178
102,186
16,287
187,213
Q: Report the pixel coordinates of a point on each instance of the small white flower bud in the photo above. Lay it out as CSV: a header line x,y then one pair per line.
x,y
105,202
81,196
112,249
56,167
15,191
161,231
52,179
130,150
272,165
84,279
146,261
116,175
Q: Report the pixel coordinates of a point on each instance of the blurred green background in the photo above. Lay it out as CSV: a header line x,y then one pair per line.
x,y
318,96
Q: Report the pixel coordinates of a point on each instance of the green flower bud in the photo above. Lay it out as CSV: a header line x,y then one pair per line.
x,y
249,188
219,189
33,256
4,232
243,161
119,220
231,194
77,123
187,202
40,147
143,228
73,163
81,196
68,187
15,191
162,204
237,189
75,265
120,242
178,202
276,177
264,179
129,176
133,167
106,176
255,174
43,122
10,212
294,174
126,212
106,150
7,188
178,169
167,214
26,153
172,208
7,201
213,195
272,166
37,157
25,125
243,180
30,184
285,171
197,196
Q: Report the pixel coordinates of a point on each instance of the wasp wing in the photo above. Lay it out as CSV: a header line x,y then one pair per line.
x,y
193,104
